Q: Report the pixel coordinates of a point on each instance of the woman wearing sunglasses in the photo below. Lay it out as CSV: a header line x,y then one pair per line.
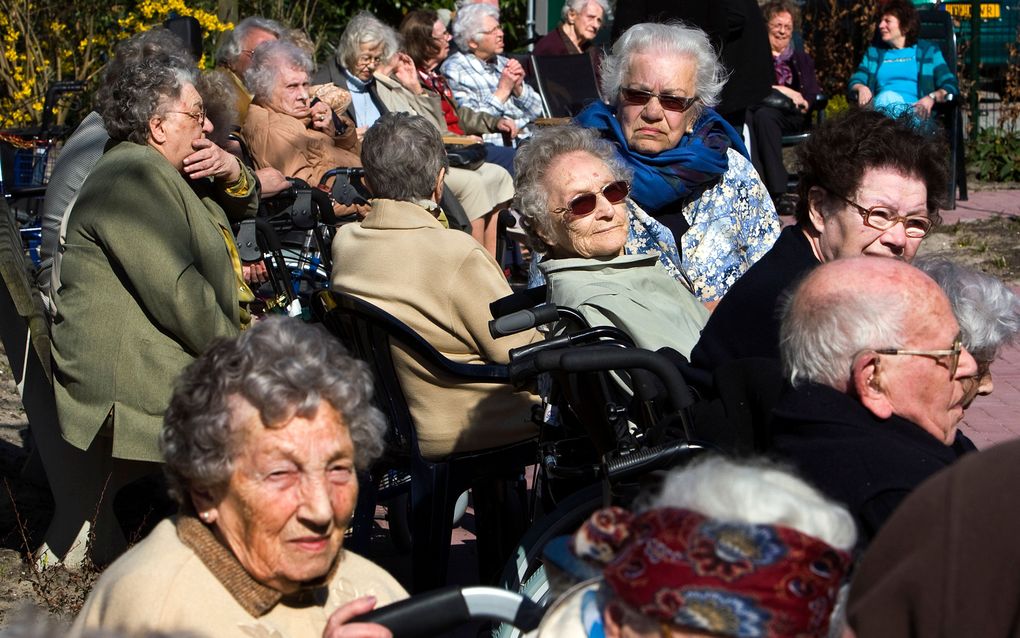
x,y
572,194
691,169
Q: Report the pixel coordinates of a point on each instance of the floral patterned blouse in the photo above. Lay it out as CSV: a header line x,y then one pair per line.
x,y
733,224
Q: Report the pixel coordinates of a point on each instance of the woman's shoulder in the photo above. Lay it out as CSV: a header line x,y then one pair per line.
x,y
369,578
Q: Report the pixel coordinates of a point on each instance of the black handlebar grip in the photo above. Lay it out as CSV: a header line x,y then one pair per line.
x,y
429,614
523,320
641,461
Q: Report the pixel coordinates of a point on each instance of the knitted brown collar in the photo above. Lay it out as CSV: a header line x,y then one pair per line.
x,y
254,597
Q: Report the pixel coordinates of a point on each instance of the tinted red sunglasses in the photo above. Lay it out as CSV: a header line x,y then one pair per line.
x,y
585,203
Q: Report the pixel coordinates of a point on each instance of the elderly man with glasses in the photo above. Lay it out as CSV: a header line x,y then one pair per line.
x,y
869,185
878,380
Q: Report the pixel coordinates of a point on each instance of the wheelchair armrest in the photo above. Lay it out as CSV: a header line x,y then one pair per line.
x,y
442,610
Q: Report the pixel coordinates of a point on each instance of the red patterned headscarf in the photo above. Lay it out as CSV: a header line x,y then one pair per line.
x,y
730,579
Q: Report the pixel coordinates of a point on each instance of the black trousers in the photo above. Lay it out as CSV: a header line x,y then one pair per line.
x,y
768,125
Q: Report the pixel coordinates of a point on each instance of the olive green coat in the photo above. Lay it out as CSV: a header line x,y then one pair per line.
x,y
146,282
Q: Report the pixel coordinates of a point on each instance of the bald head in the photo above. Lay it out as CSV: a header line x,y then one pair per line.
x,y
854,304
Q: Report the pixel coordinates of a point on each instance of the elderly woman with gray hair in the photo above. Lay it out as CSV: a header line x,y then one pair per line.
x,y
572,191
365,44
285,128
986,309
691,169
437,281
262,441
726,549
483,79
149,276
581,22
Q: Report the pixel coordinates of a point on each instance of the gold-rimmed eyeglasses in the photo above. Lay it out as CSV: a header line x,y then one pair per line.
x,y
198,116
883,218
953,354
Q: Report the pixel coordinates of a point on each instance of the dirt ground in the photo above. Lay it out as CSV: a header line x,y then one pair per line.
x,y
26,505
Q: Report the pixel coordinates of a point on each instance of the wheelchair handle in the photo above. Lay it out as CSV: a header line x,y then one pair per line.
x,y
523,320
643,461
439,611
603,358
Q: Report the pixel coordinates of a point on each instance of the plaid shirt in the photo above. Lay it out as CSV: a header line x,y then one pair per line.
x,y
474,82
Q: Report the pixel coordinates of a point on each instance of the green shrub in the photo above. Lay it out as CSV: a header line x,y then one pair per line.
x,y
995,155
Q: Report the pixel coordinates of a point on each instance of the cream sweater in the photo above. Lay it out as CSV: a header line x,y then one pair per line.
x,y
163,585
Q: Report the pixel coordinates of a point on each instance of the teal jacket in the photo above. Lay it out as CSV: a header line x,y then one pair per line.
x,y
932,71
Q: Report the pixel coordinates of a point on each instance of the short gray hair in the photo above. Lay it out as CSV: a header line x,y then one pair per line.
x,y
822,331
468,25
756,492
284,368
578,5
674,39
141,91
533,160
402,155
364,28
230,47
266,63
986,309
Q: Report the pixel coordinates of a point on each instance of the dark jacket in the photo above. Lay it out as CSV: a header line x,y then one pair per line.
x,y
868,464
946,563
805,80
746,322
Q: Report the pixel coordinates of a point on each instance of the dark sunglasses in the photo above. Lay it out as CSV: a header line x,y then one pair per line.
x,y
669,102
585,203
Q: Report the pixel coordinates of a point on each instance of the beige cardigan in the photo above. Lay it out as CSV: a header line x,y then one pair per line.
x,y
439,282
167,584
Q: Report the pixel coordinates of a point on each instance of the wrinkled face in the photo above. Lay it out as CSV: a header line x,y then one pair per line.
x,y
369,57
290,94
587,22
889,30
780,31
442,39
182,122
919,387
489,41
649,128
249,43
601,233
843,233
290,498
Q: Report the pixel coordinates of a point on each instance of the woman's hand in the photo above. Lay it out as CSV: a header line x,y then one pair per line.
x,y
507,126
798,99
406,74
272,181
924,106
864,95
337,626
209,160
322,119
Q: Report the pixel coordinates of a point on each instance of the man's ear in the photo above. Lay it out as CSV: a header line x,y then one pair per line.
x,y
868,383
815,200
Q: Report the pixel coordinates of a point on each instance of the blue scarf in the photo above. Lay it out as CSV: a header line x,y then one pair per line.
x,y
672,175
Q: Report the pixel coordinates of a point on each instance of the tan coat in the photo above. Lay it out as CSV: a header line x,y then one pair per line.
x,y
283,142
165,584
439,282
